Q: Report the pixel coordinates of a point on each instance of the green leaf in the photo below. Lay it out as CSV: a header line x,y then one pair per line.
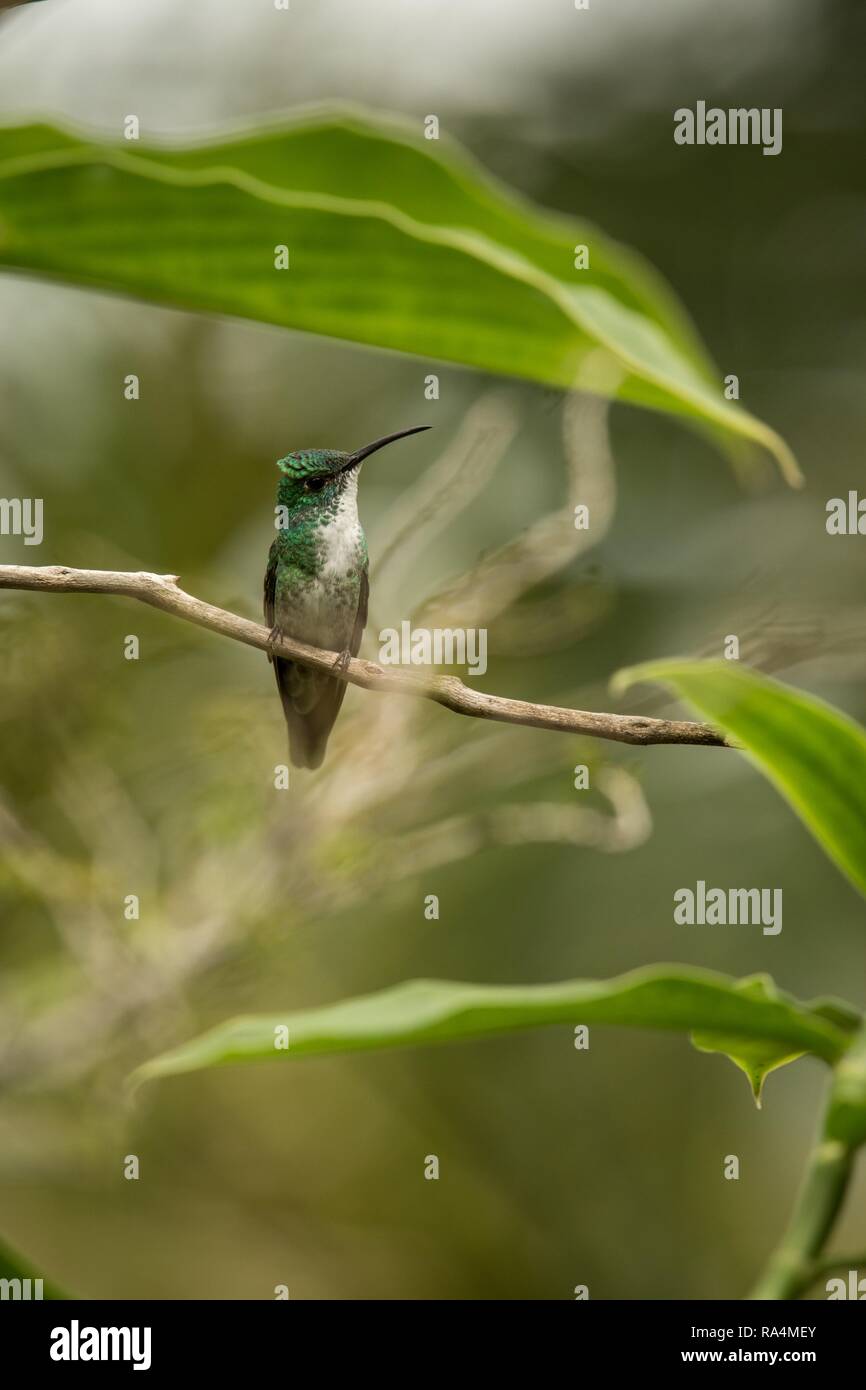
x,y
755,1060
433,1011
392,242
756,1057
813,753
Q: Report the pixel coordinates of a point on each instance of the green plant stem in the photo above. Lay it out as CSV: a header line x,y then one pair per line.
x,y
794,1265
790,1269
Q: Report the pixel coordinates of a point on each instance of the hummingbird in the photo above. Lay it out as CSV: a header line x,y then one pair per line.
x,y
317,585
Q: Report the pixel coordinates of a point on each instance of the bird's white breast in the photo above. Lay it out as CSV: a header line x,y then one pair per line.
x,y
324,608
340,538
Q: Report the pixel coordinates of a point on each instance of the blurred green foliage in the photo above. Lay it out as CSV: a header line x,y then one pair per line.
x,y
156,777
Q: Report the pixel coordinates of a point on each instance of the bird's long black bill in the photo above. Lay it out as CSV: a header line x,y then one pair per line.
x,y
380,444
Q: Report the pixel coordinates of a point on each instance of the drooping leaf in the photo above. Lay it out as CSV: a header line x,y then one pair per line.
x,y
813,753
755,1060
433,1011
756,1057
390,242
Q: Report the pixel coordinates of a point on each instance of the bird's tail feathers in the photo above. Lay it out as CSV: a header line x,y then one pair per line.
x,y
311,718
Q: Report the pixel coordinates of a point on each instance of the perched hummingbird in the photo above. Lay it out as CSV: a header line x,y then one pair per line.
x,y
316,585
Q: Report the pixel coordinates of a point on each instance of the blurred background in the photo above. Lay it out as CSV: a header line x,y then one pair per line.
x,y
155,777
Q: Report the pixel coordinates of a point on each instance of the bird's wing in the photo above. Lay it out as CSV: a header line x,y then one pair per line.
x,y
361,616
270,586
292,681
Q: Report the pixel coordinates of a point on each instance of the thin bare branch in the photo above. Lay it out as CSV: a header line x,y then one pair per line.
x,y
162,591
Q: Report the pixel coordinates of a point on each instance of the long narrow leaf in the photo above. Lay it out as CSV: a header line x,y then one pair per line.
x,y
432,1011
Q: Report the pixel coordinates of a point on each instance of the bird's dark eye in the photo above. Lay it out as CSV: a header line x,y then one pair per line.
x,y
315,484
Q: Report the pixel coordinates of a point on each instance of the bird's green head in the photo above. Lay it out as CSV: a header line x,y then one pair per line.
x,y
316,478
